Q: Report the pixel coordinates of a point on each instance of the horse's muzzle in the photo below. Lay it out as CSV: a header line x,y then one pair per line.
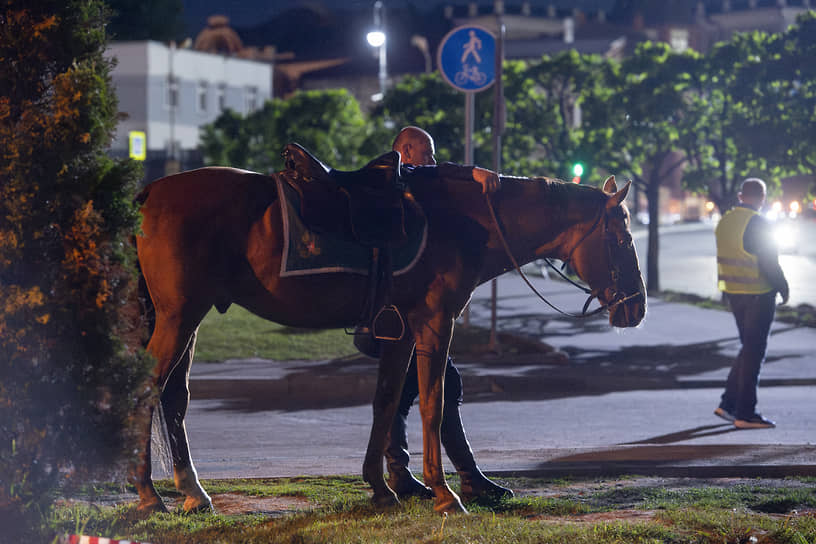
x,y
627,310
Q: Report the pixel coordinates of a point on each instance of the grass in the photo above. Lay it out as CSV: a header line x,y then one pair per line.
x,y
573,512
238,334
803,315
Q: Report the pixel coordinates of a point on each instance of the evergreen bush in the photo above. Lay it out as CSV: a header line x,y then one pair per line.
x,y
71,360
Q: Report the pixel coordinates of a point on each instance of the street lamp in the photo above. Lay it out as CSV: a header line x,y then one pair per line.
x,y
376,38
421,43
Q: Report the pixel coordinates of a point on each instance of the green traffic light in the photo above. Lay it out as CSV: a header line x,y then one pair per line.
x,y
578,169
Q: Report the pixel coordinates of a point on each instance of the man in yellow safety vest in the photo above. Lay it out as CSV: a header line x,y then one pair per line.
x,y
750,276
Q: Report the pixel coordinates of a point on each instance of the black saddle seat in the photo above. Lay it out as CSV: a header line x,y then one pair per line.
x,y
365,204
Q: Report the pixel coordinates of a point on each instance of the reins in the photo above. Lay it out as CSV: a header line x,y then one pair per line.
x,y
586,290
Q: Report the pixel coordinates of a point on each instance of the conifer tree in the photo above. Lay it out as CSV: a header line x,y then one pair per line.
x,y
70,354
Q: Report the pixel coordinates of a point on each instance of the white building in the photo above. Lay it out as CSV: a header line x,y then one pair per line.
x,y
169,93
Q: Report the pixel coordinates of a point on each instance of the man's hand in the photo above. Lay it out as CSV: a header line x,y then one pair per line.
x,y
489,179
785,294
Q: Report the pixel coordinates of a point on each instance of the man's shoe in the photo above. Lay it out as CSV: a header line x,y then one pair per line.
x,y
405,485
477,486
756,421
725,414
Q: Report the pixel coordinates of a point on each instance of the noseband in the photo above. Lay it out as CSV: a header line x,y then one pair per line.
x,y
617,297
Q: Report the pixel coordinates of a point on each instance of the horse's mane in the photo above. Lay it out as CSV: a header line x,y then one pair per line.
x,y
436,190
562,194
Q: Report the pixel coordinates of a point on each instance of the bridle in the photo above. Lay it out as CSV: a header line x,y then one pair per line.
x,y
614,272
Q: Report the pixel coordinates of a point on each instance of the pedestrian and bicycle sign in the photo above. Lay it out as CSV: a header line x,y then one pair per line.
x,y
467,58
137,145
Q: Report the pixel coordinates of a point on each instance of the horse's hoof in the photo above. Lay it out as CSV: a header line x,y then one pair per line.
x,y
147,509
451,505
195,506
385,501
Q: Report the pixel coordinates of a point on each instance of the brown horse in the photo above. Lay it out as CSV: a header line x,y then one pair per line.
x,y
212,237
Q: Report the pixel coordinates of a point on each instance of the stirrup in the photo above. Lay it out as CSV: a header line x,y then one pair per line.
x,y
388,324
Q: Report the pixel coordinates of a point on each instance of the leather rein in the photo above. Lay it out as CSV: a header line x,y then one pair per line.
x,y
592,293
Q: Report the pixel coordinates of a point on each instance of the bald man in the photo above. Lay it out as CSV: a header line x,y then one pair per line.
x,y
416,148
749,275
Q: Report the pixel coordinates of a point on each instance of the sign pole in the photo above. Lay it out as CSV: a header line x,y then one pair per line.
x,y
467,61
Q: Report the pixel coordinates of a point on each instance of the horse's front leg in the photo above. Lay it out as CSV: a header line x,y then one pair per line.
x,y
433,341
390,379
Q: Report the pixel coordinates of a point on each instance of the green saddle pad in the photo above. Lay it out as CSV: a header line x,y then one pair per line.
x,y
308,252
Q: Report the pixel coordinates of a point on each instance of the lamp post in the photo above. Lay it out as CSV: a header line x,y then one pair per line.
x,y
421,43
376,38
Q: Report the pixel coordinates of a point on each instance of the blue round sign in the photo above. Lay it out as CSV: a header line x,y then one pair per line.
x,y
467,58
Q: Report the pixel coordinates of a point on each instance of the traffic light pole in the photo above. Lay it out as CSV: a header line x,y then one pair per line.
x,y
498,129
470,101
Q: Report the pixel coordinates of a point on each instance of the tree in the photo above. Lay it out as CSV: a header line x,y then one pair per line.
x,y
632,126
735,123
790,82
328,123
69,357
545,130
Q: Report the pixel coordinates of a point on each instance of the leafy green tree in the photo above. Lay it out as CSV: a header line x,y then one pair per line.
x,y
632,126
328,123
789,81
547,123
736,119
159,20
70,356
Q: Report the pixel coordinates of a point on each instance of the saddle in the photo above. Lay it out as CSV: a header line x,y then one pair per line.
x,y
365,205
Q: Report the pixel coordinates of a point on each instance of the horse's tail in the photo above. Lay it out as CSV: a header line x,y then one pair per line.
x,y
146,307
143,194
159,442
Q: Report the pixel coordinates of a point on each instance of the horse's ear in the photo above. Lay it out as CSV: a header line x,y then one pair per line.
x,y
610,186
619,196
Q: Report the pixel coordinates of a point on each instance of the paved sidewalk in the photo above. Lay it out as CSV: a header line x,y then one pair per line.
x,y
627,401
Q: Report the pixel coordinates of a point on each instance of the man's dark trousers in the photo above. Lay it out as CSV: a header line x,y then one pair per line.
x,y
453,437
754,315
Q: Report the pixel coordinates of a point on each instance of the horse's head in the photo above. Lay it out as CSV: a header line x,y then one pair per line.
x,y
604,256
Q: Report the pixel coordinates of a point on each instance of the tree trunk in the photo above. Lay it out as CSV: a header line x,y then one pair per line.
x,y
652,259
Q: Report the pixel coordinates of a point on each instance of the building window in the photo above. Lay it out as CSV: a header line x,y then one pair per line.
x,y
251,99
171,97
201,97
221,98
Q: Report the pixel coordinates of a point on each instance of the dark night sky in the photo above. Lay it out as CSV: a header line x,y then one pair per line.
x,y
243,13
246,13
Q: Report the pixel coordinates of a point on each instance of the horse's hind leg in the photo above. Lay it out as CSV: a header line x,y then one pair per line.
x,y
175,398
169,342
390,378
140,470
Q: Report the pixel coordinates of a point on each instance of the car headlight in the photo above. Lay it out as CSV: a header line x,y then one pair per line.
x,y
785,236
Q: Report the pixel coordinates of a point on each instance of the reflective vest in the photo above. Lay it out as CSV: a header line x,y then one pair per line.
x,y
737,270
